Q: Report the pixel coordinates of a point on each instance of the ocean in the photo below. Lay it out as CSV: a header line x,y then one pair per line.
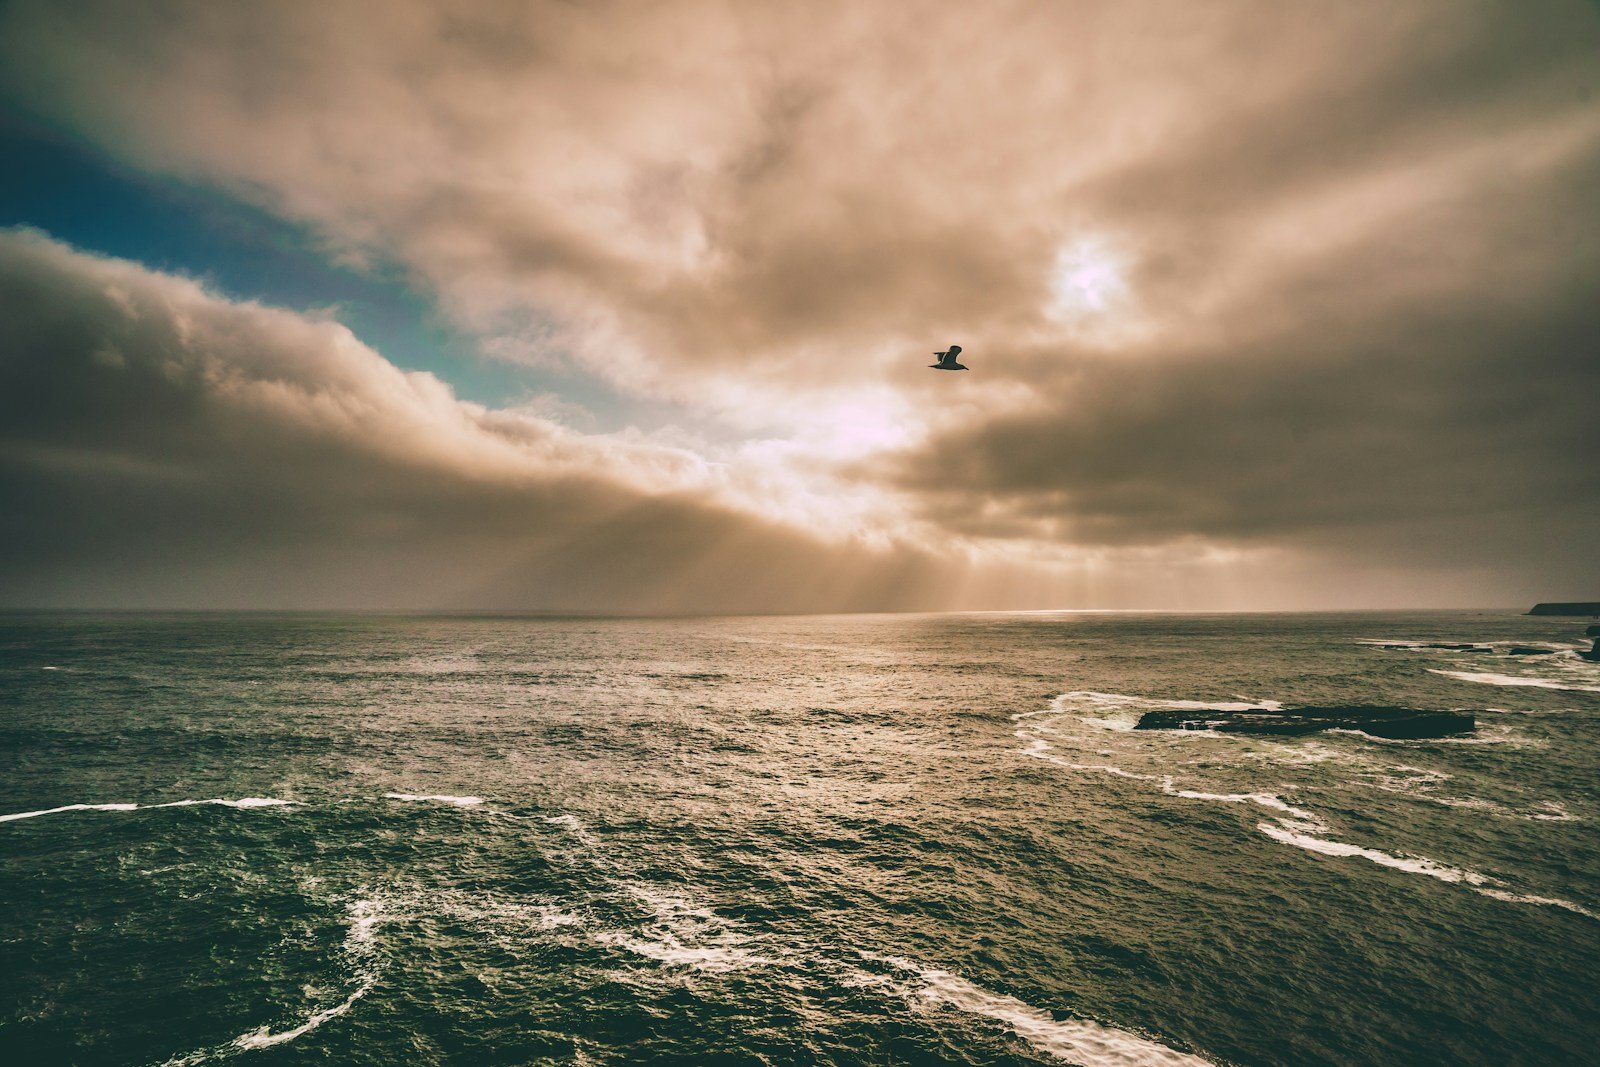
x,y
325,839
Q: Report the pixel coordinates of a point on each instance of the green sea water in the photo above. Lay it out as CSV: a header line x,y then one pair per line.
x,y
264,839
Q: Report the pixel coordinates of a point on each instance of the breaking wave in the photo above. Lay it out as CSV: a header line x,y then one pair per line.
x,y
242,802
1489,678
1078,1041
437,798
360,956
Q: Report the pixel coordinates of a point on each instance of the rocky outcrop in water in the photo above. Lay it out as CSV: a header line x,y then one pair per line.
x,y
1442,647
1380,721
1593,655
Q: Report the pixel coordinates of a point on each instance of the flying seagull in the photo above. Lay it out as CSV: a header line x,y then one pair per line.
x,y
947,359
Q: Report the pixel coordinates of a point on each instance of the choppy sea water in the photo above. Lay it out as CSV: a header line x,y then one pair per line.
x,y
855,840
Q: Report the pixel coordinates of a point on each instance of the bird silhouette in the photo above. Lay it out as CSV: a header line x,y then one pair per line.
x,y
947,359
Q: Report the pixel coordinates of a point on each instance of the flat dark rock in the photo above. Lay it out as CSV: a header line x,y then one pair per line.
x,y
1447,648
1379,721
1592,631
1526,650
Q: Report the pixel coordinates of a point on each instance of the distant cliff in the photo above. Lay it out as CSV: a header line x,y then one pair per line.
x,y
1581,607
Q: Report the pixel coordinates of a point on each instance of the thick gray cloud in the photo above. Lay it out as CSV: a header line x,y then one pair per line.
x,y
162,446
1308,288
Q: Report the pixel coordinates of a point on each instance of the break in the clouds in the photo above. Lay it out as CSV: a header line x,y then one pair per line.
x,y
1266,304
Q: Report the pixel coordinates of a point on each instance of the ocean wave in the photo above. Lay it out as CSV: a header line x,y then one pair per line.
x,y
1418,783
360,957
438,798
1489,678
1081,700
1265,800
1301,828
1545,811
1079,1041
1120,712
360,954
1413,864
1528,898
683,933
1482,735
242,802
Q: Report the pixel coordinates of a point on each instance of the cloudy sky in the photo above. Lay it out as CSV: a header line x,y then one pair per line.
x,y
628,307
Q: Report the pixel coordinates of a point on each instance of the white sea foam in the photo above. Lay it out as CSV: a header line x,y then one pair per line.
x,y
438,798
1528,898
266,1038
1265,800
1299,755
1483,735
1079,1041
1106,768
681,933
1119,711
498,912
574,826
667,948
243,802
1488,678
1303,829
1413,864
359,951
67,807
1091,700
1101,723
1546,811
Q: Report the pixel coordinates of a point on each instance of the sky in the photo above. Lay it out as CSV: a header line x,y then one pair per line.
x,y
626,307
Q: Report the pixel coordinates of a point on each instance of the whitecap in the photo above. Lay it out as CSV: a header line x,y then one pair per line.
x,y
1265,800
438,798
266,1038
681,933
1079,1041
1106,768
1483,735
67,807
1413,864
667,948
493,910
365,916
359,949
1116,711
1488,678
1528,898
243,802
574,826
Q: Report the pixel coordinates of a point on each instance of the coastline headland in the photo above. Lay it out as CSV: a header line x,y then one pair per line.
x,y
1576,607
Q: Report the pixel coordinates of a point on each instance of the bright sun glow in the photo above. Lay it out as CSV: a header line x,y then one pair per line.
x,y
1089,281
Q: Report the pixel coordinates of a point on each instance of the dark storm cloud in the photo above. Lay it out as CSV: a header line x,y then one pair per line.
x,y
160,445
1383,337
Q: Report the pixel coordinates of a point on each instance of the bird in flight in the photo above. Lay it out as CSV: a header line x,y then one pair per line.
x,y
947,359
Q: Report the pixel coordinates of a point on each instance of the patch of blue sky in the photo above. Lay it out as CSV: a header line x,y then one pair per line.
x,y
71,191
